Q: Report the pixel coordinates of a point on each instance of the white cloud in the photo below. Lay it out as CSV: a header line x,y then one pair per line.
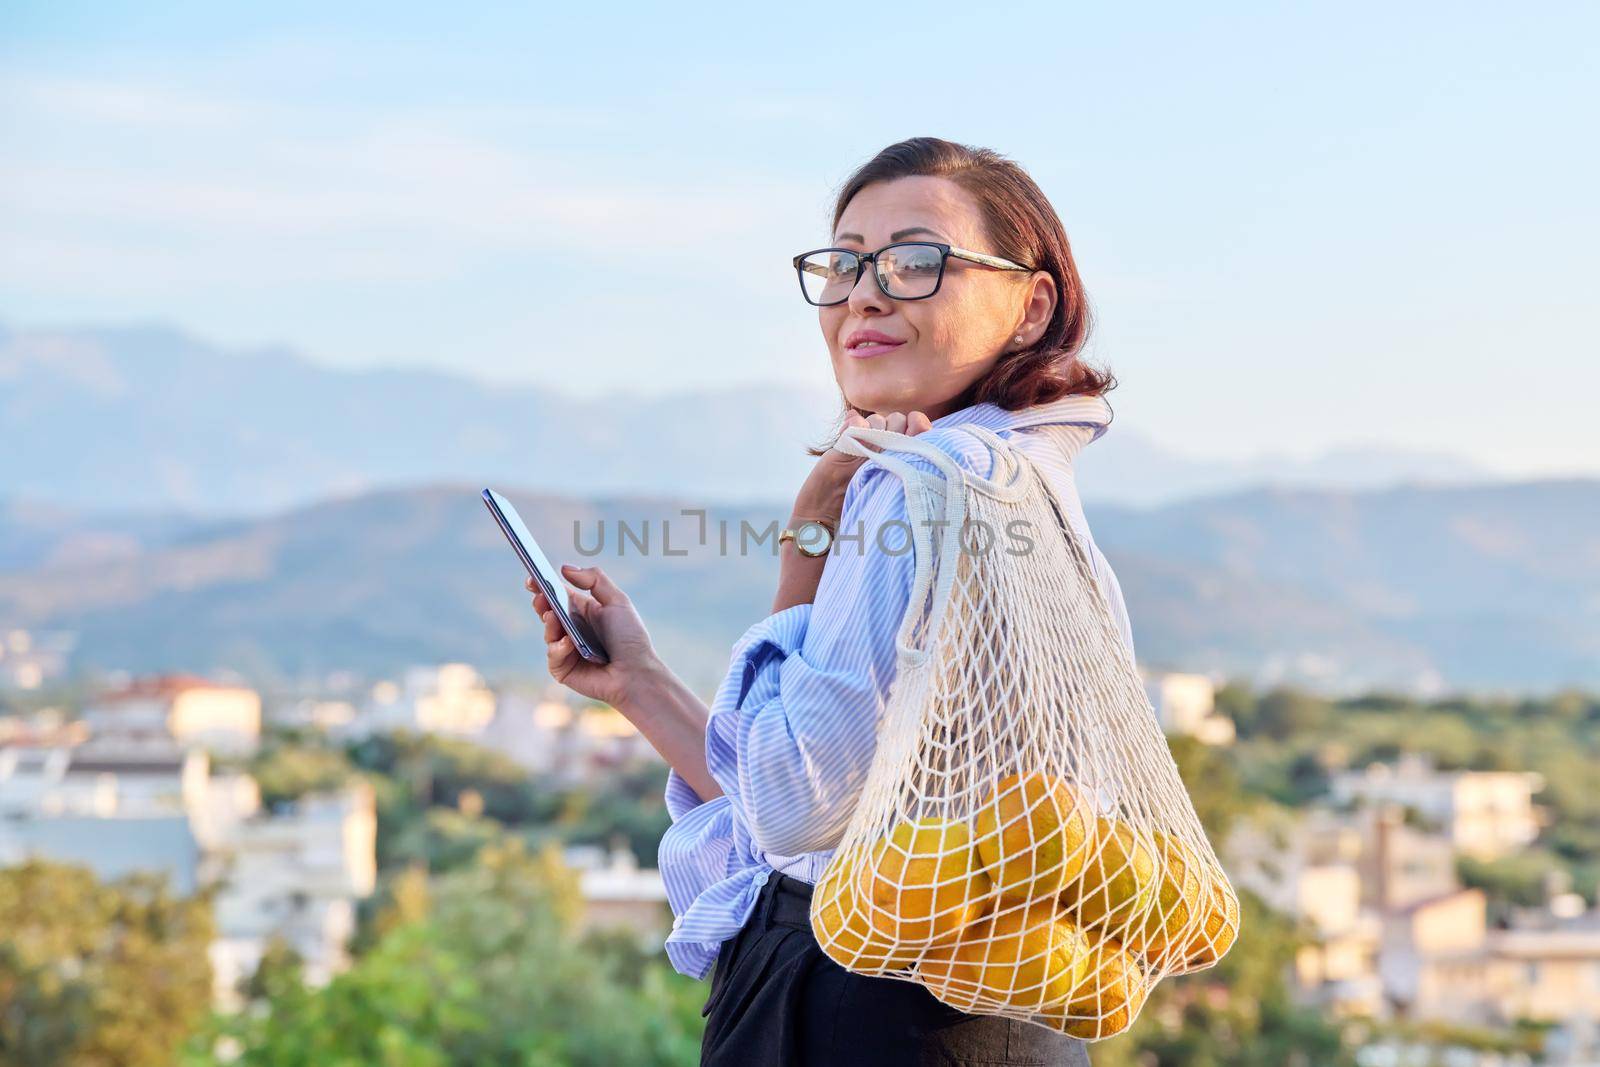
x,y
142,106
274,191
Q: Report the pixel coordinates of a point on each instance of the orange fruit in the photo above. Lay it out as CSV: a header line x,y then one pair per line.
x,y
1031,836
922,883
1177,902
1219,926
1106,1001
1022,956
1118,883
840,924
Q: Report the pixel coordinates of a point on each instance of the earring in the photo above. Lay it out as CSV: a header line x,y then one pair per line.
x,y
1019,339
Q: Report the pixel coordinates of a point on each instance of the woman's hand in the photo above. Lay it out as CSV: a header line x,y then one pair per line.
x,y
822,497
670,716
822,494
611,615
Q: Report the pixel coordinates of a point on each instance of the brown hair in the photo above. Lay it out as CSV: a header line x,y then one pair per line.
x,y
1022,226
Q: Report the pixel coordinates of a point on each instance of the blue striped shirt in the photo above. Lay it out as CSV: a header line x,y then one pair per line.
x,y
793,725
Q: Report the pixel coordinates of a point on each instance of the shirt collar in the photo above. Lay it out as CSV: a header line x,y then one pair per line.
x,y
1077,409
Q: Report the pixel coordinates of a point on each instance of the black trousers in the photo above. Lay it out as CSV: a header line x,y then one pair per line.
x,y
777,999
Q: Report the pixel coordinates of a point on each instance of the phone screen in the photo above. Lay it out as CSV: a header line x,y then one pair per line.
x,y
549,579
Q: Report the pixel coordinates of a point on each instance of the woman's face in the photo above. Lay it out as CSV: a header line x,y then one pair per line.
x,y
952,338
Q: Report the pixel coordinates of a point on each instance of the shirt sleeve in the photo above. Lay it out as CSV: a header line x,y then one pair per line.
x,y
681,796
792,743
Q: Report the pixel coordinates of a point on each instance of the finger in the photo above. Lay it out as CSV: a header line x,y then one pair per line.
x,y
552,627
896,422
560,652
583,604
852,418
917,423
595,581
876,421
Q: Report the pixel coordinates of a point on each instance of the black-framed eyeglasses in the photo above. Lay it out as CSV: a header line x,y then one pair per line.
x,y
906,270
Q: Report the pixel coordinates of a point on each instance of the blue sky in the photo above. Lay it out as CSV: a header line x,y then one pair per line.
x,y
1300,225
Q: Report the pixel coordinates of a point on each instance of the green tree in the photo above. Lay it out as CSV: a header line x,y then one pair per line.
x,y
1518,879
438,839
288,771
1237,701
1212,782
403,898
95,973
280,969
630,810
1284,713
440,769
488,966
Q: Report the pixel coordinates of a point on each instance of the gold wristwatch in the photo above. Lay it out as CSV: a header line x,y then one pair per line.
x,y
811,537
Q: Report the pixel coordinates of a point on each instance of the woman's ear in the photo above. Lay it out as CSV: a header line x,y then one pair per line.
x,y
1041,304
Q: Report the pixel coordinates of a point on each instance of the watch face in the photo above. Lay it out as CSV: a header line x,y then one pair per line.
x,y
812,538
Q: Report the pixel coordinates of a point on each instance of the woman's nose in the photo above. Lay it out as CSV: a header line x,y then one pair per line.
x,y
867,294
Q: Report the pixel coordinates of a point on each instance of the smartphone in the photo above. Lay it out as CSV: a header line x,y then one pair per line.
x,y
549,579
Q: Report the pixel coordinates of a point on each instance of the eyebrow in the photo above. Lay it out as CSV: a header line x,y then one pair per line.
x,y
897,235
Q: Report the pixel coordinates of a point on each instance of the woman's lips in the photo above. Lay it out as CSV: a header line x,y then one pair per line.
x,y
874,348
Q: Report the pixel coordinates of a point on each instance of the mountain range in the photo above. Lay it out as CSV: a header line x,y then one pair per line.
x,y
182,507
151,419
1423,590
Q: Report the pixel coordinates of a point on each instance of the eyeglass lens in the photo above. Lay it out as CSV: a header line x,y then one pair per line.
x,y
906,272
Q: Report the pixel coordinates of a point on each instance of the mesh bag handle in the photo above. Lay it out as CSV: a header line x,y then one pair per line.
x,y
927,494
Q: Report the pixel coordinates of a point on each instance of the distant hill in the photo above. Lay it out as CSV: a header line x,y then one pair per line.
x,y
370,583
1494,586
1467,587
152,420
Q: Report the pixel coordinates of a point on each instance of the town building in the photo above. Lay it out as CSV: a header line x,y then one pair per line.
x,y
296,874
450,698
45,727
28,659
193,711
110,847
1393,933
145,804
562,743
1484,813
1185,705
619,894
330,716
103,779
535,731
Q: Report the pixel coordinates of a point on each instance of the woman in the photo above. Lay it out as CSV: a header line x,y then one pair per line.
x,y
969,309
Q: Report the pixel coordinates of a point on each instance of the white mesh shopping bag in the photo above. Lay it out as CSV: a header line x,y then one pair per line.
x,y
1023,845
